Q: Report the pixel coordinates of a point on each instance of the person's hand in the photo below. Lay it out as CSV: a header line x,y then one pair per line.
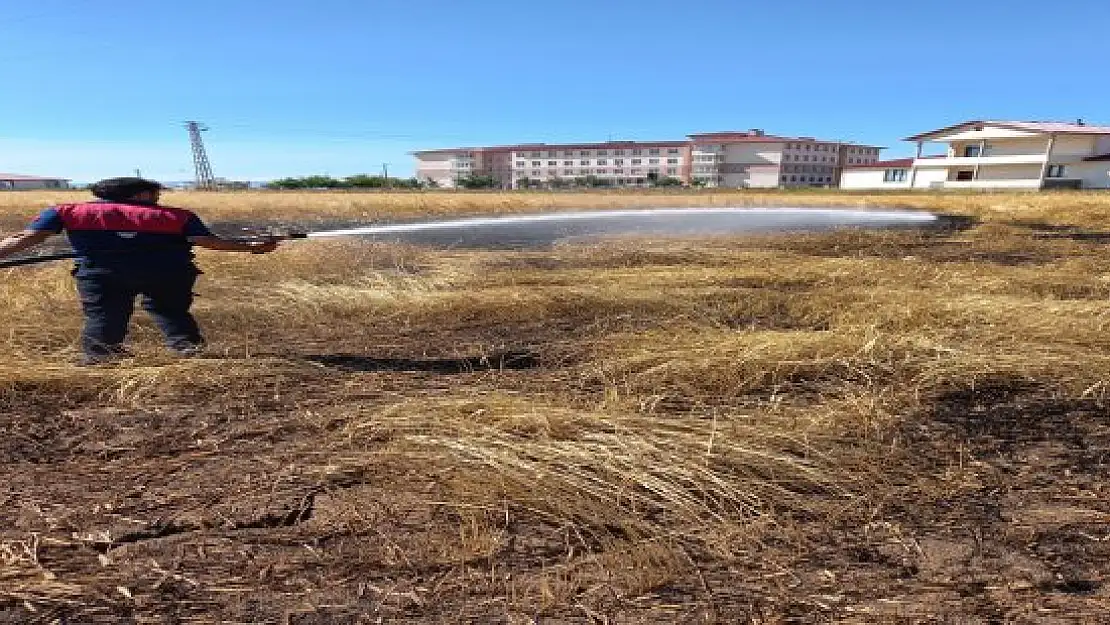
x,y
263,247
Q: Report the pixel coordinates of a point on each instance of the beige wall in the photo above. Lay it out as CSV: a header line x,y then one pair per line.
x,y
1094,174
1003,172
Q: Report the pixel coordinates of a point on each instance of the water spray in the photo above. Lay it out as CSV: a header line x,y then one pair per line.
x,y
642,221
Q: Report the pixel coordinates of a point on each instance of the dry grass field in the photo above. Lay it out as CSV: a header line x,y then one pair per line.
x,y
851,427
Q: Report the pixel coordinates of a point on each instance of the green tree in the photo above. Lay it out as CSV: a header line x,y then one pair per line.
x,y
475,181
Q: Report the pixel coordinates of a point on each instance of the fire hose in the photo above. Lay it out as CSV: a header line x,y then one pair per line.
x,y
46,258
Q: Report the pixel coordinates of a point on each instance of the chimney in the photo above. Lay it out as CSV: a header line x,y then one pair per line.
x,y
755,132
1079,122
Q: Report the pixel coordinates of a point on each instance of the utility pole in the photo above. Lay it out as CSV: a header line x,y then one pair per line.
x,y
204,178
138,174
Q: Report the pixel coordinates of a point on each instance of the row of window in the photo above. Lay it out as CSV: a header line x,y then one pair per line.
x,y
536,173
894,175
601,162
632,152
799,169
821,179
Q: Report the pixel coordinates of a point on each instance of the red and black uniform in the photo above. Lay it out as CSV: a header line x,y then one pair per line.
x,y
125,250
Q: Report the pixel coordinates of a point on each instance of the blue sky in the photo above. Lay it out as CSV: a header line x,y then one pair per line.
x,y
94,89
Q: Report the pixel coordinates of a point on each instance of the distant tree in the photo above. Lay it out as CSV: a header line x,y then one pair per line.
x,y
364,181
526,183
653,178
668,181
560,183
475,181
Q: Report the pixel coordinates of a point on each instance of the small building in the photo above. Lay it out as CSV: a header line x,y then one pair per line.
x,y
879,175
1014,155
19,182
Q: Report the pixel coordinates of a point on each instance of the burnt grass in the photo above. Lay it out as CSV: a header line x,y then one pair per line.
x,y
264,508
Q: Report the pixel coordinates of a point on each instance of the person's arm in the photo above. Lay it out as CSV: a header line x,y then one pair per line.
x,y
22,241
46,224
199,234
213,242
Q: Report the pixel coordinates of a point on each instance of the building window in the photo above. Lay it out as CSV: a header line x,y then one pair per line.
x,y
552,163
536,155
784,178
793,179
672,161
602,153
568,172
971,151
894,175
603,171
583,163
1055,171
618,152
653,161
807,149
552,154
637,152
520,163
672,151
965,174
568,163
535,163
584,153
653,152
602,161
637,172
535,173
618,161
636,161
672,171
797,158
568,153
618,171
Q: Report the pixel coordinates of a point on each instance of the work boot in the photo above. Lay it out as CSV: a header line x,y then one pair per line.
x,y
109,354
188,350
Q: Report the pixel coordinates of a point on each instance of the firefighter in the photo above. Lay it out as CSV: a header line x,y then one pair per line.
x,y
128,245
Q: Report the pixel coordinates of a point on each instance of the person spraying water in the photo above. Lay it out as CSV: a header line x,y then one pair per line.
x,y
127,245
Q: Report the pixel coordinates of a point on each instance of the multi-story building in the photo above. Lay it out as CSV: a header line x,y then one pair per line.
x,y
754,159
613,163
616,163
998,155
722,159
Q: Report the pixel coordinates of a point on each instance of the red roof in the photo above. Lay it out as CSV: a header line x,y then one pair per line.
x,y
24,178
525,147
1034,126
753,136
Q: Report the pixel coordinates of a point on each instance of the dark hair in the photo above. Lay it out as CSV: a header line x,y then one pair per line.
x,y
121,189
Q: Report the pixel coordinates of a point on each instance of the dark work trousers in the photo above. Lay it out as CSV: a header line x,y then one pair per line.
x,y
108,299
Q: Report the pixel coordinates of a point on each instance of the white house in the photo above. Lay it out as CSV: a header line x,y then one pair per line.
x,y
997,155
893,174
18,182
1015,155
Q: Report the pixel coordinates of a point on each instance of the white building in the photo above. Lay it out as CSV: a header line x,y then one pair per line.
x,y
999,155
754,159
749,159
18,182
879,175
